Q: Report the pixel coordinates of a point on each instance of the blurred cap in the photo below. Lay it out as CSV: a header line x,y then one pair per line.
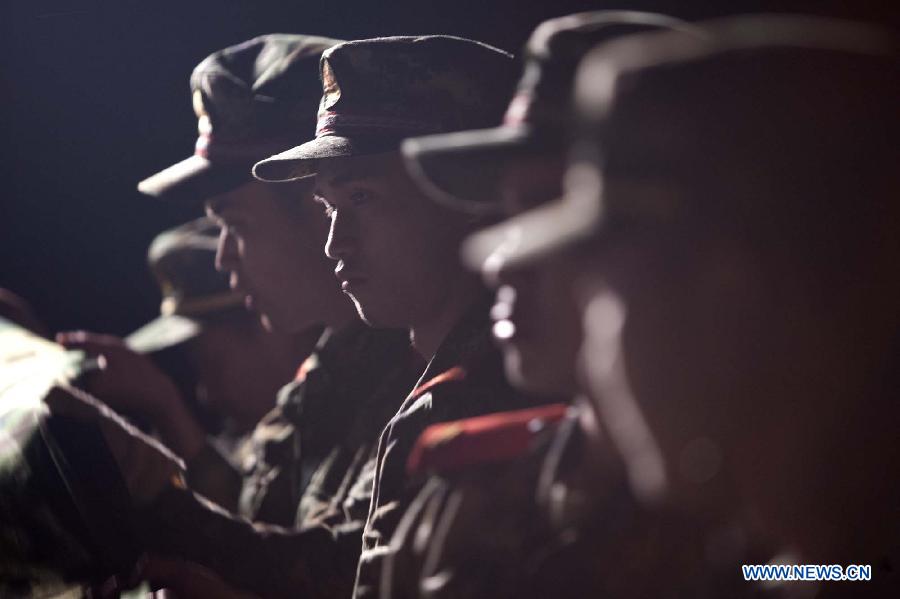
x,y
251,100
752,102
376,92
183,261
463,169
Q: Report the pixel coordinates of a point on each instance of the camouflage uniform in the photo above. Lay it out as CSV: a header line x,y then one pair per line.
x,y
464,377
249,99
304,455
66,514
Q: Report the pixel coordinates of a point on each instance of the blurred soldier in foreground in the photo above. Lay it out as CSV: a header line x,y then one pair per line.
x,y
472,529
206,336
742,191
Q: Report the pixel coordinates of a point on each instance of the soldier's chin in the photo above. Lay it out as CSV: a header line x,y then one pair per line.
x,y
515,368
528,373
364,315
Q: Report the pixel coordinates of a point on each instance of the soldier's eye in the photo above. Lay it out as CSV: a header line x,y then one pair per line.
x,y
360,197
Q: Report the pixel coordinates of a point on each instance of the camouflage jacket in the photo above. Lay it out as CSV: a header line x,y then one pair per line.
x,y
464,378
549,521
307,451
364,379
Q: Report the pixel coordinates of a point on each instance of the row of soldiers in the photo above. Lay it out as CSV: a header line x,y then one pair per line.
x,y
612,330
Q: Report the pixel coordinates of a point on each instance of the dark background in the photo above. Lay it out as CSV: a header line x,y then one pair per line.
x,y
95,97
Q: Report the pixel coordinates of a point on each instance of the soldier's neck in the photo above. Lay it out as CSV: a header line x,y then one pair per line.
x,y
344,313
426,336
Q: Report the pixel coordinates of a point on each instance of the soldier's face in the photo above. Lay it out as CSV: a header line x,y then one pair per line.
x,y
396,252
673,330
536,315
271,244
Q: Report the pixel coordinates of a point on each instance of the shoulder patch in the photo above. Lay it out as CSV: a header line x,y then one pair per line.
x,y
492,438
457,373
310,363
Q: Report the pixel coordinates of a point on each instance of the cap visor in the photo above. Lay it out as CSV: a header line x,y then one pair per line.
x,y
301,162
195,179
533,234
162,333
462,170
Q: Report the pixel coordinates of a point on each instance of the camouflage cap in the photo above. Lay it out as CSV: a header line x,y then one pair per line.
x,y
251,100
376,92
779,100
463,169
183,262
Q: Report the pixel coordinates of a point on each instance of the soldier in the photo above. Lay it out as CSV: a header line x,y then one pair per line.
x,y
748,179
203,337
245,97
705,193
408,85
396,251
479,504
272,244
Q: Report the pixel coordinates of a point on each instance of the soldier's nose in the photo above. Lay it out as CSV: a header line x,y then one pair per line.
x,y
341,237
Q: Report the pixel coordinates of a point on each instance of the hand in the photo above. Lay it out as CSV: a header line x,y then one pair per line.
x,y
146,466
125,380
131,383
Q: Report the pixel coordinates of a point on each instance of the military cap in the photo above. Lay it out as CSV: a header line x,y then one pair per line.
x,y
251,100
376,92
194,292
463,168
680,107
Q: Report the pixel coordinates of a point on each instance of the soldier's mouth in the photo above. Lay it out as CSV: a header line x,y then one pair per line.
x,y
349,278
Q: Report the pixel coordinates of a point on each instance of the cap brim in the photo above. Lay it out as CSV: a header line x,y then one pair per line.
x,y
533,234
302,161
462,170
162,333
195,179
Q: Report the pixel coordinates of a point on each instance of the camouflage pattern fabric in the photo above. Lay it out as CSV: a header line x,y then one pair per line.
x,y
64,508
465,378
344,395
308,451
